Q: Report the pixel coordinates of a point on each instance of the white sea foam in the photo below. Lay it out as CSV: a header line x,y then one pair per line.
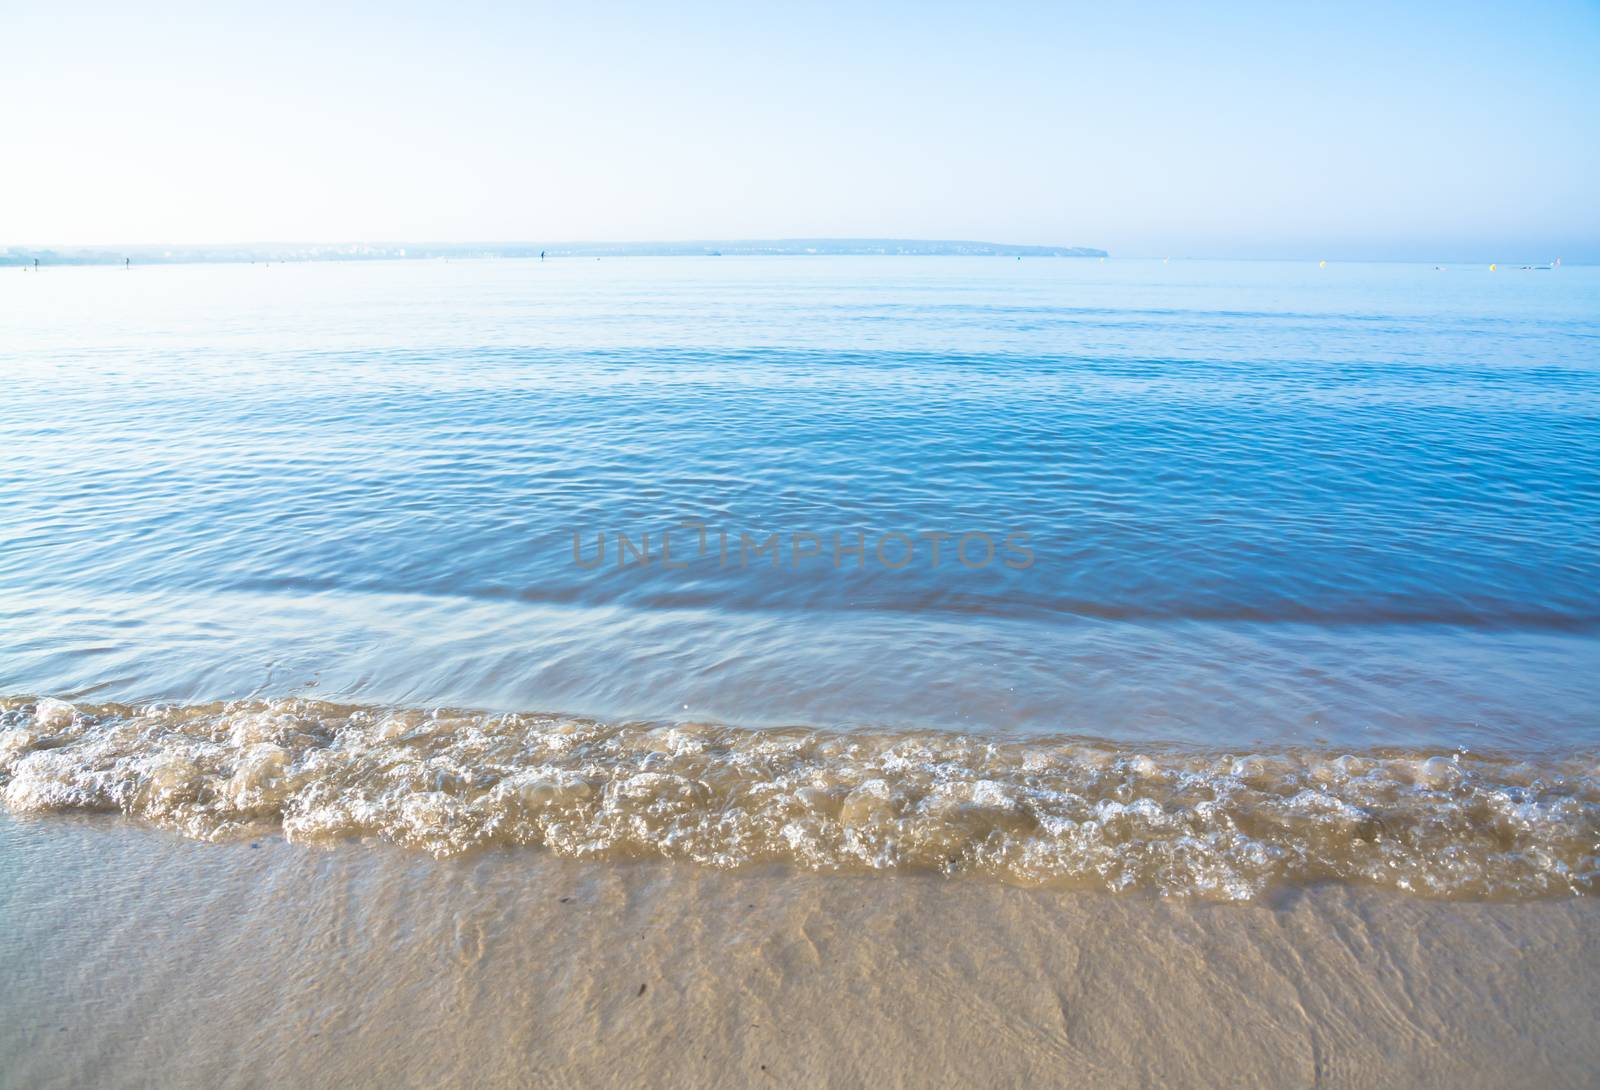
x,y
1049,811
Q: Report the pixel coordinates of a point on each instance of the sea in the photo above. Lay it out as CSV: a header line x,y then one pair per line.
x,y
1195,577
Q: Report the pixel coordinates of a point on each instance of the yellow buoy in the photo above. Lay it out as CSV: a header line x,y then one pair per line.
x,y
1492,268
1322,264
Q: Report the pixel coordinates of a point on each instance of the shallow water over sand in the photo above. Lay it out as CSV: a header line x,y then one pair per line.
x,y
135,959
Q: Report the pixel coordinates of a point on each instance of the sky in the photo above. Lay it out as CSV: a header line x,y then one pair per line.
x,y
1460,131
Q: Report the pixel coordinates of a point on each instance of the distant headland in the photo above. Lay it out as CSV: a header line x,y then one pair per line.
x,y
393,251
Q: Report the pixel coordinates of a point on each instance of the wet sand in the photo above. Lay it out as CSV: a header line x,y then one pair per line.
x,y
133,957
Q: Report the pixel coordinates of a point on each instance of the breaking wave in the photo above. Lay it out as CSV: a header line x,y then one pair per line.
x,y
1062,811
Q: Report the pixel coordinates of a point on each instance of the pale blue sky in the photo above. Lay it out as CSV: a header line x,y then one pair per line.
x,y
1450,131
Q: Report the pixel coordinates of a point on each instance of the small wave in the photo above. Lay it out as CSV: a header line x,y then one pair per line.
x,y
1491,616
1064,811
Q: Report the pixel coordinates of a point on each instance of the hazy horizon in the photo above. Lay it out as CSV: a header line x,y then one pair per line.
x,y
333,249
1440,133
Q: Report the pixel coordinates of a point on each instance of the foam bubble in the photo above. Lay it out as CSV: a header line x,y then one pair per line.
x,y
50,714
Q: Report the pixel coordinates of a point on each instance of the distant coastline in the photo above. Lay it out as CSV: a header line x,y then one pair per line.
x,y
392,251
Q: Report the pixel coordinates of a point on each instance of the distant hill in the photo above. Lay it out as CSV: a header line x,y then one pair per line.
x,y
786,247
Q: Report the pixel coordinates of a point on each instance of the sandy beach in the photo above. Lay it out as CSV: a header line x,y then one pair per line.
x,y
136,958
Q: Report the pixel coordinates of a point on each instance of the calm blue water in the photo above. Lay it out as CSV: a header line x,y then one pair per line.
x,y
1264,502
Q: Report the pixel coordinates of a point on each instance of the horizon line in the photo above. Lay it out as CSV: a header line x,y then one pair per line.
x,y
237,252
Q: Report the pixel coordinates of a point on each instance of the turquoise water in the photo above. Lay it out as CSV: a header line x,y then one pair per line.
x,y
1260,504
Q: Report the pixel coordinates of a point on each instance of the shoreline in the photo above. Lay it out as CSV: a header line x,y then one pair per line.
x,y
137,958
1053,812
